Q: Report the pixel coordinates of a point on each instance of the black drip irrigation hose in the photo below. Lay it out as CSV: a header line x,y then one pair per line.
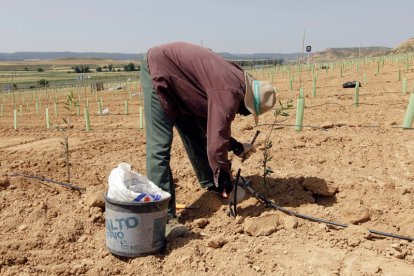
x,y
268,202
67,185
319,105
354,104
324,129
291,125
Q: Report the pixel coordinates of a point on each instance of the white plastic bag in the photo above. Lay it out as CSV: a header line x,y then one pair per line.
x,y
127,186
104,112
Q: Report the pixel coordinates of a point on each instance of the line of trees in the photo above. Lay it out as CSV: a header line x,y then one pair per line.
x,y
106,68
262,62
81,69
110,68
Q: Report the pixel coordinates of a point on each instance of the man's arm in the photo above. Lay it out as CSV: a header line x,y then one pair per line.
x,y
222,108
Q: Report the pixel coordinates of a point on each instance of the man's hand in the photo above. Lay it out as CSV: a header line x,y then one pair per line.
x,y
248,149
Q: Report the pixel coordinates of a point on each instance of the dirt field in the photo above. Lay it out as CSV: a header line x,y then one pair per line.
x,y
354,166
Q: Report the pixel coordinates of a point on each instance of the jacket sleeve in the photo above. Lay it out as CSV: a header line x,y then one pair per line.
x,y
222,108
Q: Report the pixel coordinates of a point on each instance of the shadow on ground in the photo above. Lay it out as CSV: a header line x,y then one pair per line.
x,y
285,192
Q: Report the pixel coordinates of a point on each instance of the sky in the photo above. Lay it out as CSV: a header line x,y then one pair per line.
x,y
235,26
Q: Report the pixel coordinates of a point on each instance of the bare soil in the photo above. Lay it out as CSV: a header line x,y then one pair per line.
x,y
354,165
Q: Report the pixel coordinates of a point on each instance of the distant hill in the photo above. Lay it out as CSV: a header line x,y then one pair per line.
x,y
405,47
66,55
332,54
259,56
120,56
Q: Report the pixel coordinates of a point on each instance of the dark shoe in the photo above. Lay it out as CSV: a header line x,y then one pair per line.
x,y
174,230
214,189
220,191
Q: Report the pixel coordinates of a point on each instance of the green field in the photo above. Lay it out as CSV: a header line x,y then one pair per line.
x,y
59,73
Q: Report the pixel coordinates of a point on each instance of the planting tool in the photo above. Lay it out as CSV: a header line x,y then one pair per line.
x,y
233,201
253,140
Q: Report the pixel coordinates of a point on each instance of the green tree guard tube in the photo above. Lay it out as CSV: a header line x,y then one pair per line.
x,y
409,114
99,108
87,120
78,109
47,118
126,107
301,93
314,88
15,119
399,75
141,125
299,114
356,98
404,88
56,108
37,108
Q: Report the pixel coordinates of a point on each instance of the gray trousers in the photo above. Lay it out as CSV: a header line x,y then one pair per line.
x,y
159,137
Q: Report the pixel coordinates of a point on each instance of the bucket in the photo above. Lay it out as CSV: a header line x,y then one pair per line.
x,y
135,228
